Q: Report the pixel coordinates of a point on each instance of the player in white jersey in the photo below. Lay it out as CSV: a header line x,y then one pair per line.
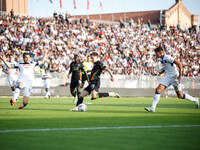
x,y
12,74
173,77
26,76
46,77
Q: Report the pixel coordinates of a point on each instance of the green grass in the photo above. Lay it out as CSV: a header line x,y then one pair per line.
x,y
107,112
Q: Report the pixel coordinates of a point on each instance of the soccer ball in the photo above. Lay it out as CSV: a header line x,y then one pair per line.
x,y
82,107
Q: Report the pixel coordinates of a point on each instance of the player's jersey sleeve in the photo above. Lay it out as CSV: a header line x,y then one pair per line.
x,y
170,59
16,65
4,67
35,63
101,65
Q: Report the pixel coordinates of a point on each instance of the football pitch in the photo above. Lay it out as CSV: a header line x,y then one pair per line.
x,y
108,124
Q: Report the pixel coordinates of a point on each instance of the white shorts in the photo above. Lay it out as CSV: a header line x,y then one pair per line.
x,y
27,87
46,85
12,81
171,80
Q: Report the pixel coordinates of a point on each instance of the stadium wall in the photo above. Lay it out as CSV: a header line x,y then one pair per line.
x,y
154,16
124,92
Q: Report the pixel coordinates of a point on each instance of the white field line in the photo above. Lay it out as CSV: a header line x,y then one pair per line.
x,y
98,128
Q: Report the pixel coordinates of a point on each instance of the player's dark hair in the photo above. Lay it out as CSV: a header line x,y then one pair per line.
x,y
26,54
158,49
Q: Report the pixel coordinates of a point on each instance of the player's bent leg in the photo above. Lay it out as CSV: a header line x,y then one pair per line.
x,y
82,85
13,89
16,93
81,96
47,93
179,94
96,95
160,88
188,97
74,93
156,99
25,102
26,95
80,100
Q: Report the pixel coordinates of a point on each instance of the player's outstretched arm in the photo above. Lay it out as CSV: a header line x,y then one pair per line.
x,y
44,57
178,63
161,72
5,71
110,73
3,58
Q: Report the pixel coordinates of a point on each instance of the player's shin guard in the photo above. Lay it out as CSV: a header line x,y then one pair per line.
x,y
188,97
80,101
156,100
16,94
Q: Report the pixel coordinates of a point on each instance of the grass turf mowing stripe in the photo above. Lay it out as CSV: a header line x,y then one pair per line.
x,y
99,128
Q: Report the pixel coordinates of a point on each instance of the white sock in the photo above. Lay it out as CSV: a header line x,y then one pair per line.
x,y
156,100
188,97
16,94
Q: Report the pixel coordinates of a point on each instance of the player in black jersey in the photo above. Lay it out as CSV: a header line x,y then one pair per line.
x,y
76,68
94,82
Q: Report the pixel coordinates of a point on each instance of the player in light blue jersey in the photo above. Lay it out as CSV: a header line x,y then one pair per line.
x,y
173,77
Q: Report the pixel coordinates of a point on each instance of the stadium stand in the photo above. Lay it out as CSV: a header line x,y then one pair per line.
x,y
126,49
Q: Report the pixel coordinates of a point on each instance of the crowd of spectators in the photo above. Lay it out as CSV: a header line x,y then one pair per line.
x,y
126,48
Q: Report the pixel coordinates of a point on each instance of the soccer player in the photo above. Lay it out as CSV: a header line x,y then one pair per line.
x,y
173,77
46,77
88,67
25,79
12,74
76,68
94,82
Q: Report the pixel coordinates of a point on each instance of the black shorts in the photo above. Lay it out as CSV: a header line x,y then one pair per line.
x,y
94,85
74,84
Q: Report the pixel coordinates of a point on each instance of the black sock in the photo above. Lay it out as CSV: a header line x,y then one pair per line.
x,y
24,105
80,101
103,95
